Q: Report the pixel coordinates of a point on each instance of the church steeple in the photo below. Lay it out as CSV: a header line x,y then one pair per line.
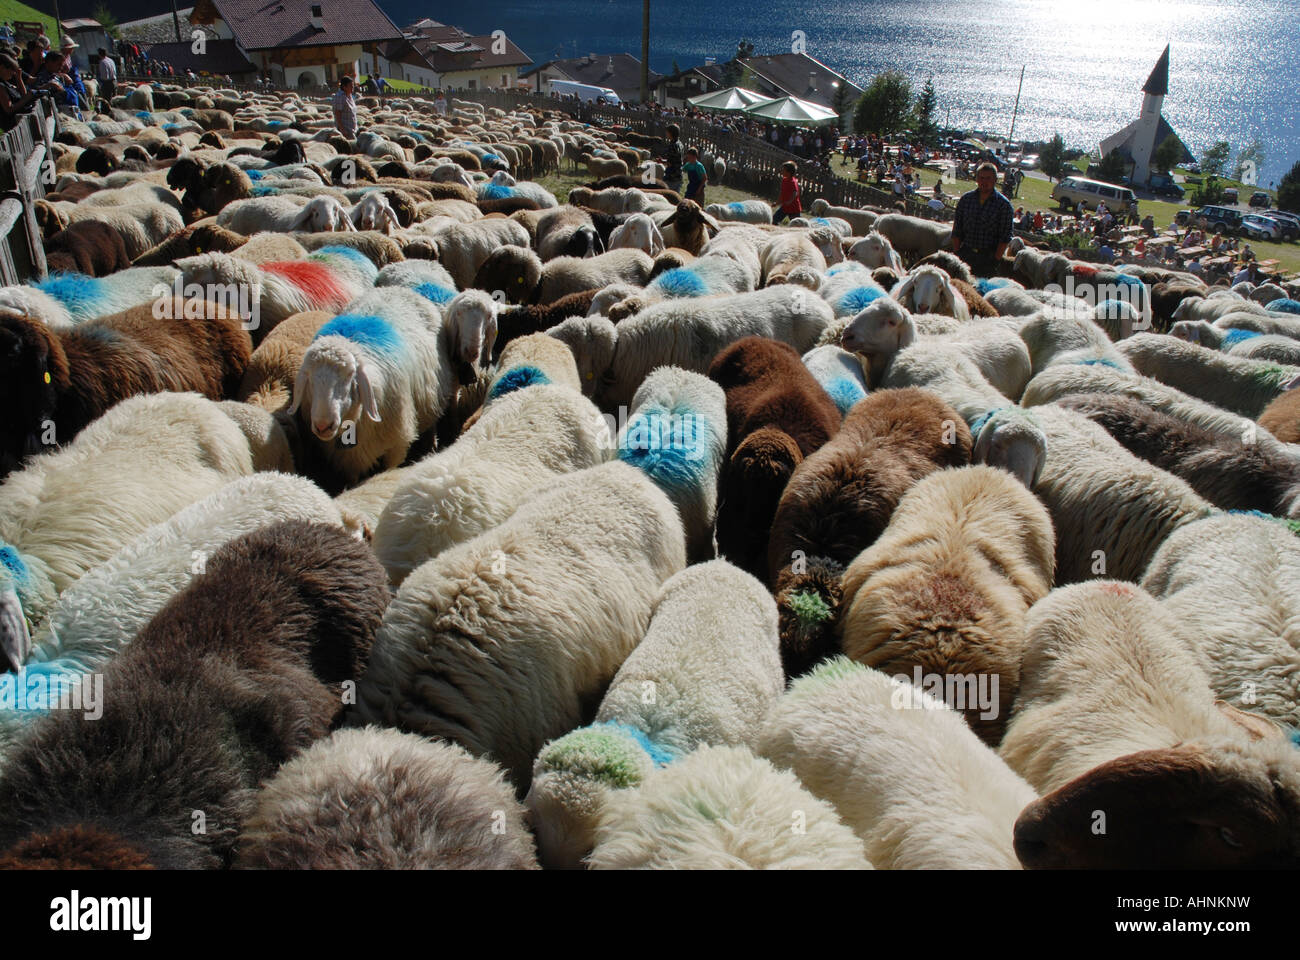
x,y
1158,83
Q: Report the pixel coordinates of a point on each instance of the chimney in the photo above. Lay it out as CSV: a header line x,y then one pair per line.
x,y
317,17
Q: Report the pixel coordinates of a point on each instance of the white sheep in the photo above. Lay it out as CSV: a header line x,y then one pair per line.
x,y
860,220
142,226
677,434
928,289
1281,324
687,334
1214,308
901,768
373,212
792,257
498,643
68,510
912,236
1228,584
1055,339
741,211
366,501
637,232
839,373
873,251
565,275
376,798
462,247
377,376
1237,384
722,808
1104,675
713,673
523,439
285,214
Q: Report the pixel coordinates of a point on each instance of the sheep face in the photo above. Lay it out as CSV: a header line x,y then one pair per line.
x,y
323,215
1193,806
502,179
883,327
593,340
472,323
638,232
1013,443
336,385
828,242
927,290
872,251
373,212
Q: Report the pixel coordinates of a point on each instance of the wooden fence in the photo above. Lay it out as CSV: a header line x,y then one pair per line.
x,y
23,153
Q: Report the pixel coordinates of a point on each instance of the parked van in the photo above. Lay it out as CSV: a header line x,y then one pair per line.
x,y
1075,190
586,92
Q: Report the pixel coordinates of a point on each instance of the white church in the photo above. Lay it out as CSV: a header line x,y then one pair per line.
x,y
1138,141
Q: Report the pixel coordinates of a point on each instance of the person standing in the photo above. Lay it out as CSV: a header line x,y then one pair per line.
x,y
345,109
696,177
672,158
981,228
789,204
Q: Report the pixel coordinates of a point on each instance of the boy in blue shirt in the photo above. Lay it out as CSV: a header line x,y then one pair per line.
x,y
696,177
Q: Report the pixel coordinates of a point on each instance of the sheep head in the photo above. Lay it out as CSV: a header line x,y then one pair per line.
x,y
883,327
927,290
1217,805
873,251
322,214
335,382
826,240
1011,439
593,340
471,325
373,212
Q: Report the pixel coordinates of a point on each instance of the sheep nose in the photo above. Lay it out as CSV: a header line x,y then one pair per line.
x,y
324,429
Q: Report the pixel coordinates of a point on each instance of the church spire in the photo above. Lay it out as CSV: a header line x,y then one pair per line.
x,y
1158,83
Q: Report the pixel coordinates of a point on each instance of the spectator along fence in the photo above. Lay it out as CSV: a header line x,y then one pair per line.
x,y
23,154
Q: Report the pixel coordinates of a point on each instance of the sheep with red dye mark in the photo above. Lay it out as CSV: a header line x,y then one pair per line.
x,y
327,280
235,675
777,414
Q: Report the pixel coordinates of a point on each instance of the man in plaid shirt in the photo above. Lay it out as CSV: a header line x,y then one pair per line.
x,y
981,228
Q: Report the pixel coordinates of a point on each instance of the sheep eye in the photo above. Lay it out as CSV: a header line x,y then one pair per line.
x,y
1230,838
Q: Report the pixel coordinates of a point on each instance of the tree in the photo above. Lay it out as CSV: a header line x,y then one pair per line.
x,y
1209,193
1288,191
107,20
1051,159
677,71
885,105
926,102
744,50
1215,159
840,100
1112,167
1249,160
1167,154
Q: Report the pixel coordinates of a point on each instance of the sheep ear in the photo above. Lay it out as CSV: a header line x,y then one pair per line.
x,y
299,389
1292,383
368,402
710,223
1256,727
904,290
671,220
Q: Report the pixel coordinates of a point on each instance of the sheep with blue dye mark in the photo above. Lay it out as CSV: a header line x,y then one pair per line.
x,y
712,673
101,612
85,298
853,736
1055,339
416,273
141,462
839,373
1281,323
376,377
1283,305
704,276
524,438
481,646
1258,346
1237,384
677,434
848,287
722,808
742,211
860,220
375,798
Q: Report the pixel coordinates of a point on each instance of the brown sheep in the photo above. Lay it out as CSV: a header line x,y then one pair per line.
x,y
87,246
767,386
689,227
201,237
516,271
975,303
235,675
840,499
537,318
1282,417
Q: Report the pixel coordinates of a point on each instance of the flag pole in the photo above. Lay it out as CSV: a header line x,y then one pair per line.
x,y
1011,136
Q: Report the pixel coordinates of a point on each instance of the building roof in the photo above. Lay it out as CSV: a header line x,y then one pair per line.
x,y
800,75
219,57
433,30
268,24
81,23
618,71
465,52
1158,82
1122,141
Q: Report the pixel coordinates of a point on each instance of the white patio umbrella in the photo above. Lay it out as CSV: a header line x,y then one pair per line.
x,y
730,99
792,110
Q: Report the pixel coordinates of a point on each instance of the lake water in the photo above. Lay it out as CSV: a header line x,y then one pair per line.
x,y
1234,68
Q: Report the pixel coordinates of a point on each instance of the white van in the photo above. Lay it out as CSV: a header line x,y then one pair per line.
x,y
586,92
1075,190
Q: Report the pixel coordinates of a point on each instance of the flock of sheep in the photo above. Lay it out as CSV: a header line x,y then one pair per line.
x,y
366,505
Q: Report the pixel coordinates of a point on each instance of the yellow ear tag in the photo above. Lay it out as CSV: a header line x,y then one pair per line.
x,y
590,376
47,376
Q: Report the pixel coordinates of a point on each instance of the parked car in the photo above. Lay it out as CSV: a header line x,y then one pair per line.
x,y
1261,199
1074,190
1193,168
1260,228
1163,185
1223,219
1029,162
1230,195
1289,223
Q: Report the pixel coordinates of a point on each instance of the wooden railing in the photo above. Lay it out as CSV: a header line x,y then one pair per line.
x,y
23,153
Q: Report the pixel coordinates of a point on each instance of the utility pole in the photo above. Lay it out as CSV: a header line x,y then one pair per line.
x,y
1010,137
645,51
176,21
58,26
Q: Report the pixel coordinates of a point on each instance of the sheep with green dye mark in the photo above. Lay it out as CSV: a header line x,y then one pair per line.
x,y
704,674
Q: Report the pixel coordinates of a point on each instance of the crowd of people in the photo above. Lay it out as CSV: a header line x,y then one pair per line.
x,y
36,70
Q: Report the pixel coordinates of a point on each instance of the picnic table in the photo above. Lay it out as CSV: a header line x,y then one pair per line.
x,y
1192,251
1219,262
1267,264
